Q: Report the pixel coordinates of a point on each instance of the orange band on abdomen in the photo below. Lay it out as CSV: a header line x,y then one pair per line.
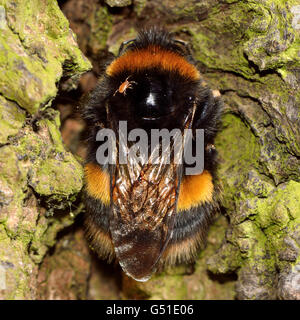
x,y
195,190
97,182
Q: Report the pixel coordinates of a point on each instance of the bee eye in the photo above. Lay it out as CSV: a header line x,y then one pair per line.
x,y
190,98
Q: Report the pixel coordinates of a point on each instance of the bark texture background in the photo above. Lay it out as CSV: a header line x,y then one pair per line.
x,y
248,50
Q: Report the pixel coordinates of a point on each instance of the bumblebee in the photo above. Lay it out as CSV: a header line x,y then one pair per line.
x,y
145,214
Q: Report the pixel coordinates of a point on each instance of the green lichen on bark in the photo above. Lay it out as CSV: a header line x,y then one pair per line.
x,y
92,22
31,65
39,179
100,24
265,240
259,141
12,119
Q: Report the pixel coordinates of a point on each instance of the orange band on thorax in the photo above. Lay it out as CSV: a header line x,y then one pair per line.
x,y
153,56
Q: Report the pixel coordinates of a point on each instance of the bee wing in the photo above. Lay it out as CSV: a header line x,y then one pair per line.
x,y
144,197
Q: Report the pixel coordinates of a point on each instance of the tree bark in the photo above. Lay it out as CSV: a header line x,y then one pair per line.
x,y
248,50
39,179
